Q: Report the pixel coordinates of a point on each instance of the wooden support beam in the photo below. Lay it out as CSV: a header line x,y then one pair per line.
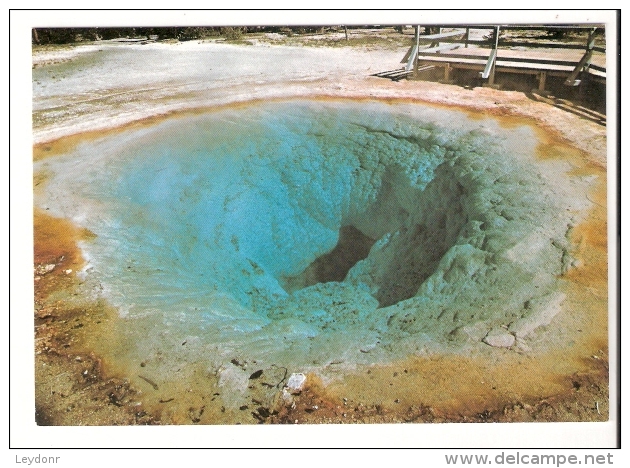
x,y
525,60
545,45
488,72
432,50
590,40
441,35
415,57
584,62
485,74
496,52
412,57
447,73
542,78
408,54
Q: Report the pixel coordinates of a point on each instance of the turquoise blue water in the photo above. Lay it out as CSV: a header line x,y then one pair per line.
x,y
199,220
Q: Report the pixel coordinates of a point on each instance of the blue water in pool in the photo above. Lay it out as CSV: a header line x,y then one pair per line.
x,y
200,220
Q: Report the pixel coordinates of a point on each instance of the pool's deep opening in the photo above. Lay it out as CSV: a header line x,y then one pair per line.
x,y
352,247
423,240
412,245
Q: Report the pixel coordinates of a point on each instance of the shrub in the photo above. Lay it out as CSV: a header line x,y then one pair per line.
x,y
232,33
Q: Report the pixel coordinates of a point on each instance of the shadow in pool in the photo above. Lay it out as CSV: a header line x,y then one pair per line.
x,y
352,247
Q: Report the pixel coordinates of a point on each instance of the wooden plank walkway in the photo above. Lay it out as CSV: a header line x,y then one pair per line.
x,y
456,50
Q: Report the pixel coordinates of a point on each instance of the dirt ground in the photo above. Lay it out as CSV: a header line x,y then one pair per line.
x,y
74,386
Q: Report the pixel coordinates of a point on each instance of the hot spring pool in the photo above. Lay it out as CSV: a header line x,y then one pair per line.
x,y
308,233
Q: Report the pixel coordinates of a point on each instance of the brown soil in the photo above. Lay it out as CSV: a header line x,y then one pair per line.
x,y
582,396
71,387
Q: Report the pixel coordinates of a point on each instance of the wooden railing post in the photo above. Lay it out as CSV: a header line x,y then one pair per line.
x,y
584,62
417,38
488,72
496,49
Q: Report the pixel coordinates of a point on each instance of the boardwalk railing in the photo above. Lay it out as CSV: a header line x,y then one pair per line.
x,y
511,55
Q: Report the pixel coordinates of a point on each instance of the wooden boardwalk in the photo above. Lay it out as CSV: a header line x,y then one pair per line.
x,y
454,49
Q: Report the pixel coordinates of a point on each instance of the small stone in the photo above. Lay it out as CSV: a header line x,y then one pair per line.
x,y
499,338
287,397
296,382
68,271
43,269
256,374
577,263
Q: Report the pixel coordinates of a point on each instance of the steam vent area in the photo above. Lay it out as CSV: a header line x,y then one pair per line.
x,y
310,245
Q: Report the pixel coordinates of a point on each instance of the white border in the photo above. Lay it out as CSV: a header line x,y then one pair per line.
x,y
24,433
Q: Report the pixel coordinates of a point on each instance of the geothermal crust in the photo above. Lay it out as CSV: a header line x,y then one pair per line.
x,y
208,229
